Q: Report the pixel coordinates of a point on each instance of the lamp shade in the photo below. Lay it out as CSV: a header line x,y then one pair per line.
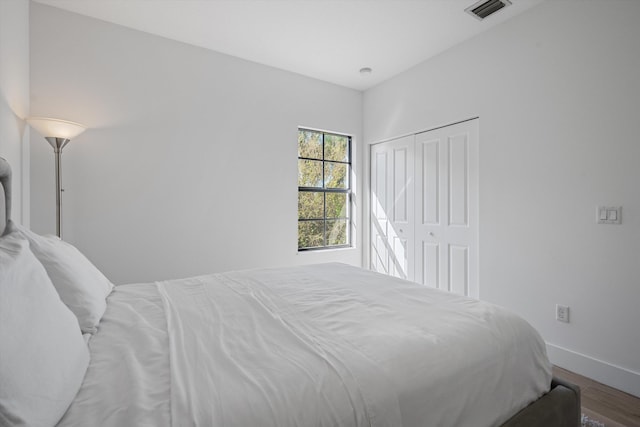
x,y
56,128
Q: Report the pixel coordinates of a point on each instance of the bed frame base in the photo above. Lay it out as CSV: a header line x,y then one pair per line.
x,y
560,407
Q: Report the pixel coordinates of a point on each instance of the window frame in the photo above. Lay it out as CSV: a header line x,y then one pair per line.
x,y
348,191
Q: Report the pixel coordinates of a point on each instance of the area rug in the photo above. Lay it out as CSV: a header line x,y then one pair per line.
x,y
589,422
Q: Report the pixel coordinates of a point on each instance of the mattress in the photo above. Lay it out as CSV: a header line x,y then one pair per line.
x,y
321,345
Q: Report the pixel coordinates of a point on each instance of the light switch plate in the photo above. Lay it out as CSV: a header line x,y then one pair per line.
x,y
609,215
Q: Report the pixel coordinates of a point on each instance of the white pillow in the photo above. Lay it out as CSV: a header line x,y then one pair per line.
x,y
81,286
43,357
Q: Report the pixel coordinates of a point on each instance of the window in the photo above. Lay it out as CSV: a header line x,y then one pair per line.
x,y
324,190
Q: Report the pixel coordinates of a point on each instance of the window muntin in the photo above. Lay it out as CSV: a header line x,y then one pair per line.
x,y
324,190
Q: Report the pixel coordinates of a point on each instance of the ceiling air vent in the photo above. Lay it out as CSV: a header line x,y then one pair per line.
x,y
484,8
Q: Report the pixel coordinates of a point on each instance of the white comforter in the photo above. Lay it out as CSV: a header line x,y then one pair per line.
x,y
324,345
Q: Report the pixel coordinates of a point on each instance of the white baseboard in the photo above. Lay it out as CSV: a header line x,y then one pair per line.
x,y
603,372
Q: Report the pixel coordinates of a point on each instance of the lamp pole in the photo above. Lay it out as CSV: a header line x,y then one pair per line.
x,y
58,144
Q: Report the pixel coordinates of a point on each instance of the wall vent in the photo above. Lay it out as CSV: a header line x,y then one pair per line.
x,y
484,8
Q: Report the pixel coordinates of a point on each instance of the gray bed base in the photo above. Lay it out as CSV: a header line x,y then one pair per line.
x,y
560,407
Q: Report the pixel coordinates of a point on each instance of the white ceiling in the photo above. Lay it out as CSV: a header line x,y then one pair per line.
x,y
330,40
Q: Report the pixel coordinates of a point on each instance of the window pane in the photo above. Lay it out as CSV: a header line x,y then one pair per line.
x,y
324,168
336,205
310,144
337,232
310,205
309,173
335,175
336,147
310,234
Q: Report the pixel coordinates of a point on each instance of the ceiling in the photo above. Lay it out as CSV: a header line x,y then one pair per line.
x,y
330,40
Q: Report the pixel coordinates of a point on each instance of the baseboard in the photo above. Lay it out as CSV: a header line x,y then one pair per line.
x,y
603,372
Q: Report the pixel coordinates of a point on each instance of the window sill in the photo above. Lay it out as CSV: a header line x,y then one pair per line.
x,y
326,250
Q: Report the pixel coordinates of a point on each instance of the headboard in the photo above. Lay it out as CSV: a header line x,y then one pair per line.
x,y
5,181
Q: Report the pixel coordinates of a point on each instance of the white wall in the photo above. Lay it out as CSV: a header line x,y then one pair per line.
x,y
190,162
558,96
14,101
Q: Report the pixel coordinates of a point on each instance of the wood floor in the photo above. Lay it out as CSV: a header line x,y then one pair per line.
x,y
612,407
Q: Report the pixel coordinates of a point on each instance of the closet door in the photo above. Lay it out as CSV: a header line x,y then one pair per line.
x,y
446,209
392,207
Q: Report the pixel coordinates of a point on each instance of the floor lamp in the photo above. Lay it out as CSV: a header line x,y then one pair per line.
x,y
58,133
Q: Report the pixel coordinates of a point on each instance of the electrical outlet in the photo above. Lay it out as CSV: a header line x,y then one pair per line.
x,y
562,313
609,215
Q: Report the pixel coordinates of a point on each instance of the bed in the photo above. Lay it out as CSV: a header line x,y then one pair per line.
x,y
318,345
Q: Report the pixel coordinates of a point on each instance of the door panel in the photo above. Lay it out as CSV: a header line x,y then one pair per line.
x,y
447,188
430,264
458,269
399,258
379,250
392,196
400,186
431,182
458,180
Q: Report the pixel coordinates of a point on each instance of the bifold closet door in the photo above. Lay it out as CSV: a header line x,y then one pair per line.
x,y
392,207
446,208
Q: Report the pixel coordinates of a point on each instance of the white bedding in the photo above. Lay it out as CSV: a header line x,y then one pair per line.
x,y
324,345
